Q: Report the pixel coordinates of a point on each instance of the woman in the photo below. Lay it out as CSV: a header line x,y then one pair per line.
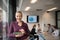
x,y
33,32
18,29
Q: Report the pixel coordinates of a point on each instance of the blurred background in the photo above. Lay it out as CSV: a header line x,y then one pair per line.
x,y
47,10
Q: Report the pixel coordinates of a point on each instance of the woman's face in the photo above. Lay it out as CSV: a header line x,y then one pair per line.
x,y
18,16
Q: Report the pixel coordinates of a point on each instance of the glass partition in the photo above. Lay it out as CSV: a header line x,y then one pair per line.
x,y
4,15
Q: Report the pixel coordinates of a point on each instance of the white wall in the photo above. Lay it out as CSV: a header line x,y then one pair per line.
x,y
48,18
44,18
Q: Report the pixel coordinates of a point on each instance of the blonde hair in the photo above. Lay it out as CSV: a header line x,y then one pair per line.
x,y
19,12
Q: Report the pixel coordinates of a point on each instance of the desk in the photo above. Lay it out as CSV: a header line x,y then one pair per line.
x,y
50,37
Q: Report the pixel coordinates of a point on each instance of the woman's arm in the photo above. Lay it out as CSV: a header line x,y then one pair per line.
x,y
11,30
27,30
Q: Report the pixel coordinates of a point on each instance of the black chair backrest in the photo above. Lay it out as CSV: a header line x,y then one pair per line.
x,y
59,32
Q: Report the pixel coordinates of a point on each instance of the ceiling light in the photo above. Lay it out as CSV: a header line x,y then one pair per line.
x,y
52,9
33,1
27,8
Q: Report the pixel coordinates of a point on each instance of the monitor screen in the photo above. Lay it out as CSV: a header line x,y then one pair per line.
x,y
32,19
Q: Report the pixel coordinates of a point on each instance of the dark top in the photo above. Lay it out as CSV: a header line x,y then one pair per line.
x,y
33,31
14,27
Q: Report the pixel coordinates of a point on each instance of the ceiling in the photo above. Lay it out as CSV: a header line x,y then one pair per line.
x,y
40,4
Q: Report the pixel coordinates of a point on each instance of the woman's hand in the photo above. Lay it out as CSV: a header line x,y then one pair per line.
x,y
18,35
22,31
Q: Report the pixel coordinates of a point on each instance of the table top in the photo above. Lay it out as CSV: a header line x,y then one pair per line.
x,y
50,37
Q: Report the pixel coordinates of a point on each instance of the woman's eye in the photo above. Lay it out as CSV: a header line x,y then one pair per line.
x,y
17,16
